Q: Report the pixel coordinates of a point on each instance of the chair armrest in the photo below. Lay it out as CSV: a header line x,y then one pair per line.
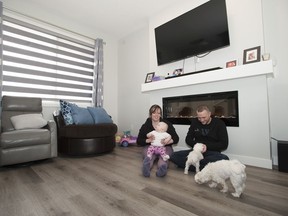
x,y
51,125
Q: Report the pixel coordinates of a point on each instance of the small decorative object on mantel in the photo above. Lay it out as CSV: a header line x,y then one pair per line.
x,y
157,78
231,63
178,72
266,56
175,73
149,77
251,55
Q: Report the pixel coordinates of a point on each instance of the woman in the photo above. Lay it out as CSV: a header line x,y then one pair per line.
x,y
155,116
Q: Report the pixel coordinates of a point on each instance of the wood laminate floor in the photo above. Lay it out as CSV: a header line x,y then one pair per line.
x,y
112,185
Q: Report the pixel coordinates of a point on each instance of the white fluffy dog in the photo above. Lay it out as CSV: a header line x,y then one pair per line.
x,y
194,157
218,172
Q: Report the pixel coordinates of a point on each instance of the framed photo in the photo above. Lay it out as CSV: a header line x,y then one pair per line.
x,y
149,77
251,55
231,63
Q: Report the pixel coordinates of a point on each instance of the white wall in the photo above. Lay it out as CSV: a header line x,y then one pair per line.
x,y
133,66
276,43
246,30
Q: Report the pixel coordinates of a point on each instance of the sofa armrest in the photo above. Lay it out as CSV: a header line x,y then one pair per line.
x,y
59,120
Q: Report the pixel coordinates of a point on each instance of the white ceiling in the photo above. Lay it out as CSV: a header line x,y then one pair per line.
x,y
113,17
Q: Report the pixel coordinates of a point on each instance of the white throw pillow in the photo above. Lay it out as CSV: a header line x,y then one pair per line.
x,y
28,121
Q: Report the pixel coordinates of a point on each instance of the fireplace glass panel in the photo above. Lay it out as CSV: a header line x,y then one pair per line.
x,y
223,105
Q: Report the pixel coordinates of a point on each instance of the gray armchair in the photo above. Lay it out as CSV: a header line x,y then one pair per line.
x,y
26,144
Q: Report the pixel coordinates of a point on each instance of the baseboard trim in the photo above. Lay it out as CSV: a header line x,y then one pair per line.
x,y
247,160
253,161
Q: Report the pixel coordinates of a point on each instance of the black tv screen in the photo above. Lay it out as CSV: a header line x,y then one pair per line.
x,y
198,31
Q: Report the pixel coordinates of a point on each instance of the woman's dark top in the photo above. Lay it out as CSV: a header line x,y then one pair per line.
x,y
148,127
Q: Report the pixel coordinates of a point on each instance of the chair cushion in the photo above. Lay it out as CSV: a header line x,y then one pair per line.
x,y
12,106
66,112
27,137
21,104
28,121
99,115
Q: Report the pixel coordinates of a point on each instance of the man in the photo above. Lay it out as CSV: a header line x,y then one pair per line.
x,y
209,131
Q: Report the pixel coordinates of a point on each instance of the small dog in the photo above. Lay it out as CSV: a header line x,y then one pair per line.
x,y
194,157
218,172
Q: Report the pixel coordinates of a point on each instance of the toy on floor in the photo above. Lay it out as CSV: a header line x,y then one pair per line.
x,y
118,137
127,139
194,157
218,172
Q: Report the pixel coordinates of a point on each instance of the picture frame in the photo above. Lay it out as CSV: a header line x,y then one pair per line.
x,y
149,77
231,63
251,55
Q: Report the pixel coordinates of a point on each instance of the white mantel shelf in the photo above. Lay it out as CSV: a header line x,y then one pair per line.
x,y
242,71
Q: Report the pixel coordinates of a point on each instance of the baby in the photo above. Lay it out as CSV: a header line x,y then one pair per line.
x,y
156,146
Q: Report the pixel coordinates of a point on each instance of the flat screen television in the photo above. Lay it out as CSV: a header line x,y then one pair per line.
x,y
198,31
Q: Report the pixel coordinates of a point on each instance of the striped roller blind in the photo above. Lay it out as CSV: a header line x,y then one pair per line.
x,y
39,62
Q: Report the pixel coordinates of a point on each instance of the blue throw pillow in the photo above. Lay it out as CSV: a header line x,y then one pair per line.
x,y
81,115
66,112
99,115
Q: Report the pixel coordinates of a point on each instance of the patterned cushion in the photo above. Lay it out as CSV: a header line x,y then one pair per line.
x,y
66,112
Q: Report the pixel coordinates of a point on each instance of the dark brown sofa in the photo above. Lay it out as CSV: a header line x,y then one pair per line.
x,y
84,140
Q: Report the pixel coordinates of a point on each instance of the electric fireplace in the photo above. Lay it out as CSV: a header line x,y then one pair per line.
x,y
223,105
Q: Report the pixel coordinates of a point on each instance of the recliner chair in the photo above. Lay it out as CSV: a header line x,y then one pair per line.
x,y
28,144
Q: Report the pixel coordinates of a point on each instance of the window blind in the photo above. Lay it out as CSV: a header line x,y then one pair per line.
x,y
39,62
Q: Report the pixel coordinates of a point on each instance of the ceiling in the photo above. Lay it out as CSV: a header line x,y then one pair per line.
x,y
114,17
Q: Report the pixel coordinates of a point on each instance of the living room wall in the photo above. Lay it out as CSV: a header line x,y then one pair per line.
x,y
129,60
274,15
247,30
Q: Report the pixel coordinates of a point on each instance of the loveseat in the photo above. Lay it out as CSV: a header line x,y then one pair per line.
x,y
25,135
85,139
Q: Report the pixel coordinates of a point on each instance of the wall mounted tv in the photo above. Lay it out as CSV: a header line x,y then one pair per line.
x,y
198,31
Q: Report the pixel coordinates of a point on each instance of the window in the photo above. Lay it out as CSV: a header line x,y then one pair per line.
x,y
40,62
